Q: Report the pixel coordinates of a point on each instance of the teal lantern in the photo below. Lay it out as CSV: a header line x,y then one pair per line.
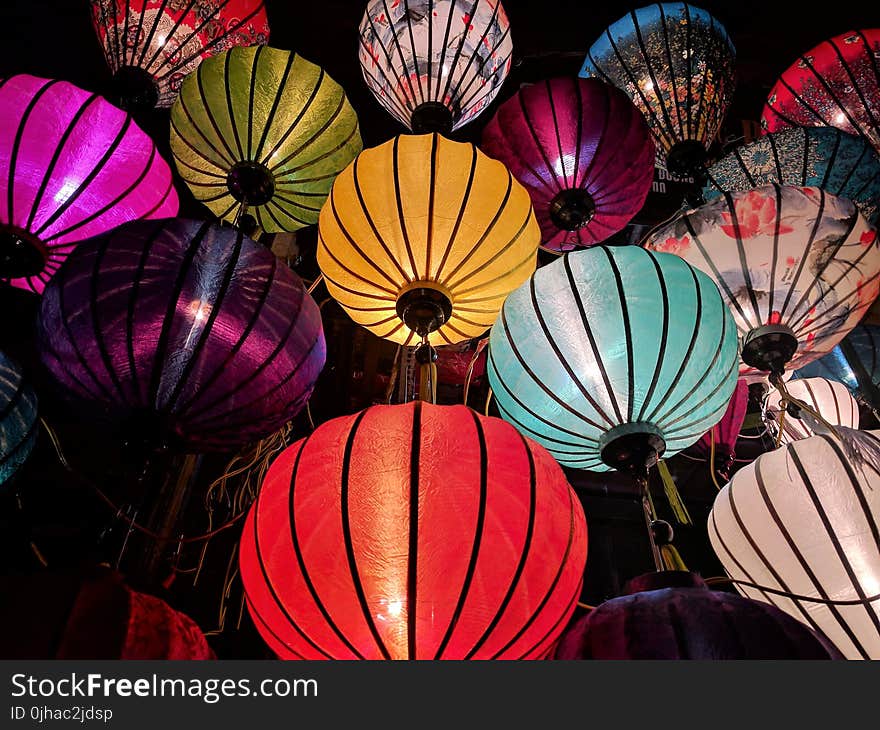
x,y
18,418
612,356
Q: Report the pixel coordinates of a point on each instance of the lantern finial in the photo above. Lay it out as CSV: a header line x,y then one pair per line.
x,y
572,208
769,348
135,89
424,309
250,182
687,158
432,116
21,255
632,447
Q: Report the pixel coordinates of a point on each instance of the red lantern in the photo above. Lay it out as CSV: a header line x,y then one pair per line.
x,y
413,532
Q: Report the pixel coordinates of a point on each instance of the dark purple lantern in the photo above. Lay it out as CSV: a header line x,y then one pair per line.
x,y
182,333
674,615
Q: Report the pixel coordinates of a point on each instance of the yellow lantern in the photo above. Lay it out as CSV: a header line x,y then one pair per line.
x,y
423,237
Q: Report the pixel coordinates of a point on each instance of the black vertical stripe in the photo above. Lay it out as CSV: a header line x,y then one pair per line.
x,y
412,578
432,189
401,218
664,334
627,331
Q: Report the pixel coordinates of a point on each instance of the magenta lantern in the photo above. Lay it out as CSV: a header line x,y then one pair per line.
x,y
726,431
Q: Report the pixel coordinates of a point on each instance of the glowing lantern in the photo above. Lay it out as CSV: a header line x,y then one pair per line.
x,y
413,532
800,526
262,130
864,345
723,435
435,65
836,84
829,399
583,152
18,419
187,332
675,61
613,353
797,267
151,45
422,235
71,166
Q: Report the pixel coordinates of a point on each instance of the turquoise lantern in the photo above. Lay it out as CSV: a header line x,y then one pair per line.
x,y
18,418
614,356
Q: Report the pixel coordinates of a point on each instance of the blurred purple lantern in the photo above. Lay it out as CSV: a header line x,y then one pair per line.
x,y
182,333
726,431
72,166
582,150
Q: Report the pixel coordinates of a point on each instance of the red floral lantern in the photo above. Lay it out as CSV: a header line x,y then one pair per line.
x,y
413,532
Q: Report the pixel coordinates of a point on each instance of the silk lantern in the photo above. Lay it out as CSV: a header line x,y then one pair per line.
x,y
18,418
798,528
722,437
583,152
835,84
822,157
413,532
863,343
798,268
425,236
183,332
262,130
151,45
676,62
611,354
71,166
435,64
831,400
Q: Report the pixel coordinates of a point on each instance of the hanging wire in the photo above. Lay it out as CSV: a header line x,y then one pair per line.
x,y
395,373
314,285
788,399
488,402
481,345
712,459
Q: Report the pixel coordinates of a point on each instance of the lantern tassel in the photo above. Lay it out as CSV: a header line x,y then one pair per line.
x,y
671,558
676,503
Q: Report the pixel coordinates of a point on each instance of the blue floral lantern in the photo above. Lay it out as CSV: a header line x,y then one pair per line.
x,y
18,419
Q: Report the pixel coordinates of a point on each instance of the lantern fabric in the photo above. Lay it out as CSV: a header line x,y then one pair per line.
x,y
829,399
803,520
865,341
151,45
71,167
421,212
413,532
611,340
264,129
783,256
676,62
726,432
435,61
188,332
583,152
674,615
18,418
835,84
822,157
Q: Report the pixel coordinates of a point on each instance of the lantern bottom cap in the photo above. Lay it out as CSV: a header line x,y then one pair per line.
x,y
572,208
135,89
431,116
686,158
424,308
21,254
632,447
251,183
769,348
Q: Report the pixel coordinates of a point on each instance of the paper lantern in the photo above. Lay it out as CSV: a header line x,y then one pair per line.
x,y
676,63
151,45
674,615
725,433
797,267
835,84
423,234
821,157
611,352
183,332
583,152
413,532
263,130
864,339
829,399
803,521
18,419
435,64
71,166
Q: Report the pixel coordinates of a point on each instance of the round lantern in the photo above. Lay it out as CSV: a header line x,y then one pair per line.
x,y
71,166
184,331
151,45
725,433
436,64
583,152
800,526
821,157
835,84
18,419
675,61
263,131
797,267
674,615
413,532
613,353
425,236
829,399
864,344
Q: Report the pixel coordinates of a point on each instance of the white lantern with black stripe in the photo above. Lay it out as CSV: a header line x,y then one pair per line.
x,y
832,401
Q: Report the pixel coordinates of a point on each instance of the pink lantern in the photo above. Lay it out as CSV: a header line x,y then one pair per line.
x,y
725,432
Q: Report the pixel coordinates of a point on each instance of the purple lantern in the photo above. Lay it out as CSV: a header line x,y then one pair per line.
x,y
184,332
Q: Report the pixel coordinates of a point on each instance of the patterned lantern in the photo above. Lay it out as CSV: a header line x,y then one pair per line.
x,y
675,62
425,235
151,45
829,399
864,344
821,157
613,351
186,332
797,267
583,152
413,532
262,130
18,419
836,84
800,526
435,64
724,434
71,166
